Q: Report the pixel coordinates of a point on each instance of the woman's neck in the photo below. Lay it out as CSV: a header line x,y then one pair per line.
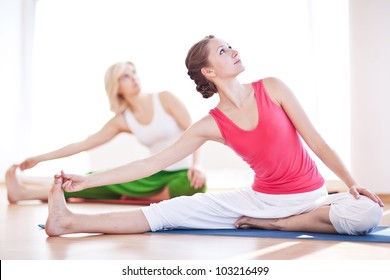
x,y
233,94
137,102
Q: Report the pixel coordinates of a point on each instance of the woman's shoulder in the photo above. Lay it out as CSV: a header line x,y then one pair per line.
x,y
272,82
268,84
207,128
165,94
170,102
166,97
119,121
266,80
276,88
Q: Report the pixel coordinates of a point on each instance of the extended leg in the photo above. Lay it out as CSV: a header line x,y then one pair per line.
x,y
314,221
62,221
16,191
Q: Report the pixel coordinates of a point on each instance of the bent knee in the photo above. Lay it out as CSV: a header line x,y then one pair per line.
x,y
183,188
355,216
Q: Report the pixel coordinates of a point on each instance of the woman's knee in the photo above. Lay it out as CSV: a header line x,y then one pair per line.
x,y
181,186
355,216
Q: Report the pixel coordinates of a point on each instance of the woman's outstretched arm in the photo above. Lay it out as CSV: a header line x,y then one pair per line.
x,y
191,140
112,128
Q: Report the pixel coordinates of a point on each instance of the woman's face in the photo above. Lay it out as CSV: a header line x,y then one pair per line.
x,y
129,82
224,60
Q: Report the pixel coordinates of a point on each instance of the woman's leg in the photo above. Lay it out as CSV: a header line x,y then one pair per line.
x,y
62,221
94,193
149,188
179,184
315,221
159,186
19,191
16,191
341,213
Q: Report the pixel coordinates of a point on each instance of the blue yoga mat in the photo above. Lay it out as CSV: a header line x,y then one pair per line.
x,y
380,234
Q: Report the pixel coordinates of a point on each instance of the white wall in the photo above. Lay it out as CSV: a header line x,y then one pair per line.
x,y
370,87
17,25
370,91
11,73
75,53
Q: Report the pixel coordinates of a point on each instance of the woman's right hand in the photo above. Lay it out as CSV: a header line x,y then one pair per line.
x,y
28,163
72,182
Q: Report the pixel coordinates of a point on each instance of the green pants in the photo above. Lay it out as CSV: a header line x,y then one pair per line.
x,y
176,182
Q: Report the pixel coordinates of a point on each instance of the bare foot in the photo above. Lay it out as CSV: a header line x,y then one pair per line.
x,y
59,218
15,190
248,222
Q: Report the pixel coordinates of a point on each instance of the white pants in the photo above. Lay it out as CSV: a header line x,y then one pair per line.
x,y
221,210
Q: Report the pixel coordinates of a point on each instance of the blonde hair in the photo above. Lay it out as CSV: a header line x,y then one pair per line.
x,y
111,80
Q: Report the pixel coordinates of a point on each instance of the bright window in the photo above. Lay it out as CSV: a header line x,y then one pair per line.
x,y
305,43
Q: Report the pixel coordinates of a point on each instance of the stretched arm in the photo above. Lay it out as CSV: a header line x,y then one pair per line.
x,y
190,141
106,133
283,96
175,107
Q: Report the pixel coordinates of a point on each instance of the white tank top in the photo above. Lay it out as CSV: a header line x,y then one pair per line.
x,y
162,131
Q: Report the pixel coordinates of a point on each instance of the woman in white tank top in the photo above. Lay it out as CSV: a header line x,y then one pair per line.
x,y
156,120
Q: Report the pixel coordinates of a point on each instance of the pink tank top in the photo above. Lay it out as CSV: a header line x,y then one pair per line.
x,y
274,150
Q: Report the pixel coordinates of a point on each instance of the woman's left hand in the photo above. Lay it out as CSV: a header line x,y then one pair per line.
x,y
196,177
356,191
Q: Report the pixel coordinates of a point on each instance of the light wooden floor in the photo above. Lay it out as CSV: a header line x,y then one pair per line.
x,y
22,239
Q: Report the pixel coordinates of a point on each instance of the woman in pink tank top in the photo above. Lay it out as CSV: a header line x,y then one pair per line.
x,y
262,122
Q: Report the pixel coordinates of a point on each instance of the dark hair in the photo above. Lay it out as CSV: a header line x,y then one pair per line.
x,y
196,59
